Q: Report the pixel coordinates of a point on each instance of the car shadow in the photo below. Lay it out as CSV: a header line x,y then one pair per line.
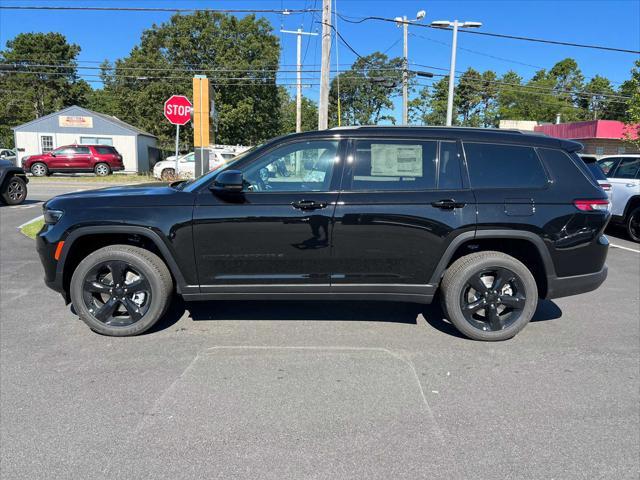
x,y
26,202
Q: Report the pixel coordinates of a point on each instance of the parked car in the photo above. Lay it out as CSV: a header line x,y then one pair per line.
x,y
8,154
592,164
13,183
623,172
99,159
166,170
486,221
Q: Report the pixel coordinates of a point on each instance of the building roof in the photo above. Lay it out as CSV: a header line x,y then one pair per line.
x,y
80,111
606,129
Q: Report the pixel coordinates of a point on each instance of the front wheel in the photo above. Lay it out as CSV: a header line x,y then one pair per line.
x,y
489,295
14,191
121,290
168,174
633,224
39,169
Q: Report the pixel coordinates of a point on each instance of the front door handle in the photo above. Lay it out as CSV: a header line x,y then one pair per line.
x,y
447,204
308,205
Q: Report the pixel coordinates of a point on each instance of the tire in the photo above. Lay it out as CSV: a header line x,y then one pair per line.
x,y
105,305
168,174
486,315
102,169
632,224
14,191
39,169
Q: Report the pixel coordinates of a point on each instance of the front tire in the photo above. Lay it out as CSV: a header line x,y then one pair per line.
x,y
168,174
39,169
14,191
489,296
121,290
102,170
632,224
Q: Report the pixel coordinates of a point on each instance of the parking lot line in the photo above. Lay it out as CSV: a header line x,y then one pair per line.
x,y
624,248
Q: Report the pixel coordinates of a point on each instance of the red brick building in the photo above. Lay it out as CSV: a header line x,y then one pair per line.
x,y
599,137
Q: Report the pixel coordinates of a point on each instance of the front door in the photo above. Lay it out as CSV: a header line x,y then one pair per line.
x,y
60,158
278,230
402,202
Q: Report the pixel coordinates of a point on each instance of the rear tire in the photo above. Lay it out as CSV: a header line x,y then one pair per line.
x,y
39,169
121,290
102,170
632,224
489,296
14,191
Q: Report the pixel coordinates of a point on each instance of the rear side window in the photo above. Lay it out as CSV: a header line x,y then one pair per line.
x,y
105,150
504,166
628,168
81,151
395,165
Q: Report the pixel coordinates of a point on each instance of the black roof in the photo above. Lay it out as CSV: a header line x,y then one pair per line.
x,y
518,137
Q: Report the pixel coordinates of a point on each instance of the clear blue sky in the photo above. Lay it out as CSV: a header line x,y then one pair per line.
x,y
616,23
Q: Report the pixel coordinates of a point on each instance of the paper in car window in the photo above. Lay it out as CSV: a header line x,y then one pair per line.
x,y
396,160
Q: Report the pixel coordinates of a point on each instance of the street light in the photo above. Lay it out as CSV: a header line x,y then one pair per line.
x,y
404,22
455,24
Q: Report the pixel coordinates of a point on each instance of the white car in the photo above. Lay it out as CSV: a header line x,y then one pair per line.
x,y
623,173
166,169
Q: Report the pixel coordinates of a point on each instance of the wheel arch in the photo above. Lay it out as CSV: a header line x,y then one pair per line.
x,y
522,245
632,203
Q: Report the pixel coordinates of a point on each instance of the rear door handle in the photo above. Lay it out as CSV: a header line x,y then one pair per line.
x,y
447,204
308,205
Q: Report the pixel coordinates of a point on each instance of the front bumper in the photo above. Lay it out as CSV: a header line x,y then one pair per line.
x,y
566,286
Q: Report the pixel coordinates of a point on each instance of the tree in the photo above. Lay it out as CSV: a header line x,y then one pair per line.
x,y
240,56
633,107
468,98
38,76
595,101
366,91
288,113
489,99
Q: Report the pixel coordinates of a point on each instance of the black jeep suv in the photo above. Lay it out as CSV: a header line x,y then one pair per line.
x,y
487,220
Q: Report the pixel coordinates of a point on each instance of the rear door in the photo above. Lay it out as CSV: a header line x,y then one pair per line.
x,y
80,158
624,183
401,202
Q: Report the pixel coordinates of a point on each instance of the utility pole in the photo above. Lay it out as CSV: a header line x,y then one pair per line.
x,y
299,33
323,104
405,74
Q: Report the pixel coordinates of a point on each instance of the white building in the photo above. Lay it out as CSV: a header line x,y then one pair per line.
x,y
77,125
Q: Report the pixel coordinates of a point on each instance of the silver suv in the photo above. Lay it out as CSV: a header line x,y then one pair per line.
x,y
623,172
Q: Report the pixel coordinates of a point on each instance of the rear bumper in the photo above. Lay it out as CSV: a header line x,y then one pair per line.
x,y
566,286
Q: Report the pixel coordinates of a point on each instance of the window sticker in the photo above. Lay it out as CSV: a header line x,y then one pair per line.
x,y
396,160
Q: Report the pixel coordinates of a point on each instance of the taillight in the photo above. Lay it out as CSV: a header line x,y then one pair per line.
x,y
593,205
606,187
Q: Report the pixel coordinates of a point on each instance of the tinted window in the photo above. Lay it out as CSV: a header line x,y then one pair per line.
x,y
504,166
81,151
450,177
594,168
298,167
64,151
608,165
394,165
105,150
628,168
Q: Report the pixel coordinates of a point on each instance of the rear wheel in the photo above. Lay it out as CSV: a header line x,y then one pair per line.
x,y
14,191
121,290
102,169
39,169
489,295
633,224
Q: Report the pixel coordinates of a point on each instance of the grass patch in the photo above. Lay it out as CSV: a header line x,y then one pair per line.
x,y
32,228
116,178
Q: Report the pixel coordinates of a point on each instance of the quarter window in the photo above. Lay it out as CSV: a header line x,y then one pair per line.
x,y
297,167
394,165
504,166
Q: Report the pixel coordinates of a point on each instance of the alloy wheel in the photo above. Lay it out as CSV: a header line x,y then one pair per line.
x,y
102,170
493,299
634,225
16,190
116,293
39,170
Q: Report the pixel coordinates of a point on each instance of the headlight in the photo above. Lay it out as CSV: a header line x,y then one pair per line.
x,y
52,216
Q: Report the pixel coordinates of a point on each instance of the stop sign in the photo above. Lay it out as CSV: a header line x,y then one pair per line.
x,y
178,109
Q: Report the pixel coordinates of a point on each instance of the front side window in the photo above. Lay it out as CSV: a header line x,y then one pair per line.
x,y
298,167
394,165
189,157
450,176
47,143
504,166
628,168
64,151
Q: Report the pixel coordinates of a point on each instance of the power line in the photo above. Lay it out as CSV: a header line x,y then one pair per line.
x,y
498,35
157,9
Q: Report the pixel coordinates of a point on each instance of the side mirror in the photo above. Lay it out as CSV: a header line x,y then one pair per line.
x,y
229,181
52,154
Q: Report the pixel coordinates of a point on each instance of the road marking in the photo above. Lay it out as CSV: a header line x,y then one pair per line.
x,y
30,221
624,248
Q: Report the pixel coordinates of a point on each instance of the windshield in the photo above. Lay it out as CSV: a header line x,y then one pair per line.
x,y
196,182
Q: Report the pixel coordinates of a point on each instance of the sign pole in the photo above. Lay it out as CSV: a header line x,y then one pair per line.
x,y
177,149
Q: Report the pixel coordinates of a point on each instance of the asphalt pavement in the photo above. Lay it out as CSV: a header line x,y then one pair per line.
x,y
298,390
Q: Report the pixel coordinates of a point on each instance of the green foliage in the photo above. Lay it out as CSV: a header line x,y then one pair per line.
x,y
287,113
633,107
366,91
27,96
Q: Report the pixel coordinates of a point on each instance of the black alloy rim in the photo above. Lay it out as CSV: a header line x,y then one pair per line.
x,y
116,293
493,299
634,225
15,190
